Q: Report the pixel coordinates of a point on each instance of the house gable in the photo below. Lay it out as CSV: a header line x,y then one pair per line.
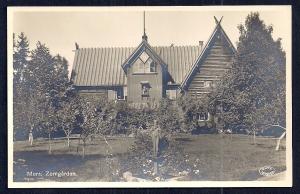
x,y
146,75
143,48
215,59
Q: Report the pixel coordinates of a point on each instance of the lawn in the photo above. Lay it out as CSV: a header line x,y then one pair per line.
x,y
219,157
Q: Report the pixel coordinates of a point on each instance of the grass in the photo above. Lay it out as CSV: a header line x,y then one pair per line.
x,y
219,157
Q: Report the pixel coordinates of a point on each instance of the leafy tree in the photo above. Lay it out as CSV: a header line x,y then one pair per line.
x,y
87,120
67,116
168,117
191,109
63,98
253,91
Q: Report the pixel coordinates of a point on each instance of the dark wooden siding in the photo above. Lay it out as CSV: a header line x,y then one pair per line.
x,y
216,62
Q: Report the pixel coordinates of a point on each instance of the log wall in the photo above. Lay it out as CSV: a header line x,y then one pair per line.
x,y
216,62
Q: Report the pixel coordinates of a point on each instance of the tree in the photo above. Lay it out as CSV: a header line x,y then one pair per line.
x,y
20,62
62,96
20,55
88,120
67,116
252,93
191,108
168,117
40,83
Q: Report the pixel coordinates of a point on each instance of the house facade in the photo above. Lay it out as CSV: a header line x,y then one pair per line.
x,y
148,73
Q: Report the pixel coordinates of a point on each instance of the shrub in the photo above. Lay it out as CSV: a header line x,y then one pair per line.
x,y
171,161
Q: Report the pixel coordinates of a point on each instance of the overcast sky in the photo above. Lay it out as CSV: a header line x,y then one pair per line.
x,y
60,28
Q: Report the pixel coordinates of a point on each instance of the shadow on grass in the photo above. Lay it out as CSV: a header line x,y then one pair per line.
x,y
183,139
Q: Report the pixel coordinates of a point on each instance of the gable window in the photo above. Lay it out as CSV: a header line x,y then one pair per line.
x,y
152,66
144,57
144,64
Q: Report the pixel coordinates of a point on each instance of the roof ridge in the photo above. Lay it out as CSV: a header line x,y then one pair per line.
x,y
129,47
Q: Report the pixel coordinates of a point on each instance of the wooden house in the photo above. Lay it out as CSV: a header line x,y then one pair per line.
x,y
149,73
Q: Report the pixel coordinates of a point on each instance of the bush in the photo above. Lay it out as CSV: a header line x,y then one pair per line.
x,y
171,161
191,108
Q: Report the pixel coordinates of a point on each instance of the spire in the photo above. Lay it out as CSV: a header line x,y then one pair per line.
x,y
144,37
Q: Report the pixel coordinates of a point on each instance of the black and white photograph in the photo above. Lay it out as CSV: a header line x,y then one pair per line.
x,y
149,96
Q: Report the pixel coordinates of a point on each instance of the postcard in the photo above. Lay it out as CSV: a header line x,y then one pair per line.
x,y
149,97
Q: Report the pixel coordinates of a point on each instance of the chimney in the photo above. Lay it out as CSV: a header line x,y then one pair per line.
x,y
200,44
76,46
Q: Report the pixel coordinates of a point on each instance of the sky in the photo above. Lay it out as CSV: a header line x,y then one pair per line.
x,y
60,28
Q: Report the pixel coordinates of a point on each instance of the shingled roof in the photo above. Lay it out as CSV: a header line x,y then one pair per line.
x,y
103,66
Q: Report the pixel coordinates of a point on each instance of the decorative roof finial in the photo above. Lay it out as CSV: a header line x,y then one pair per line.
x,y
218,21
144,37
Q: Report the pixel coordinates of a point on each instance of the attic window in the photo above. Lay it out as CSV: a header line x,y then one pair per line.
x,y
152,66
144,56
144,64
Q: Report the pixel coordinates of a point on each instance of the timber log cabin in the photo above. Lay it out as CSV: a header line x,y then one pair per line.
x,y
148,73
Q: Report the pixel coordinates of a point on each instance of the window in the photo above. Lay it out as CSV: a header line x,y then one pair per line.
x,y
120,94
144,64
138,66
219,108
148,65
204,116
171,94
201,84
152,66
208,84
145,89
144,57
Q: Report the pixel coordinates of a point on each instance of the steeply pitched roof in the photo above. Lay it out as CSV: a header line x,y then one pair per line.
x,y
218,29
103,66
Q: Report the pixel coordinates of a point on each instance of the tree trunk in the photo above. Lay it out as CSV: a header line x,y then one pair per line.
x,y
49,140
155,167
78,144
254,137
68,137
83,149
30,137
278,141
